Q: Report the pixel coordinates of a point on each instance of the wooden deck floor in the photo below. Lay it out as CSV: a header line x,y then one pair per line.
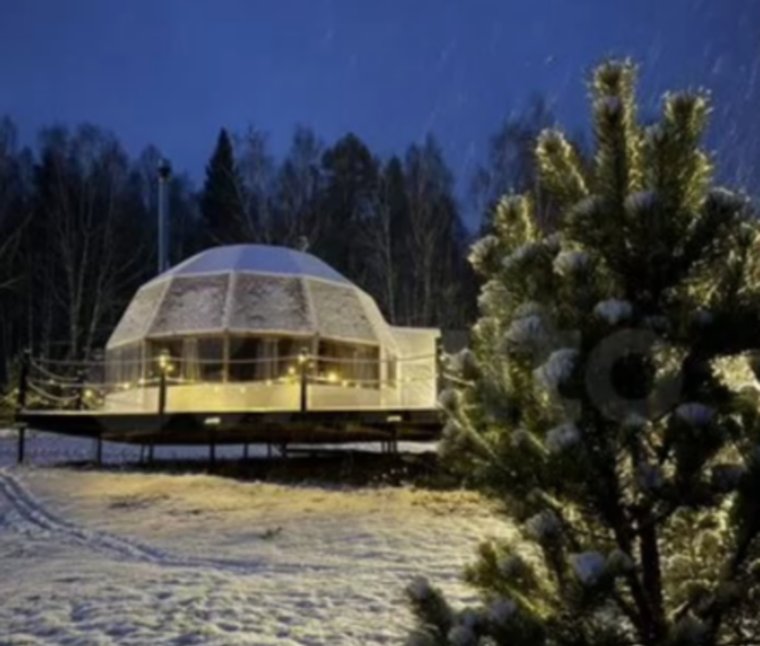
x,y
331,427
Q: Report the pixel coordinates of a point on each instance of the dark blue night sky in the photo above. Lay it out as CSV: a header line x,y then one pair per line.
x,y
173,72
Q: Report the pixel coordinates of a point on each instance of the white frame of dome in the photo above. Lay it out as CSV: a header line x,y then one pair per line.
x,y
400,373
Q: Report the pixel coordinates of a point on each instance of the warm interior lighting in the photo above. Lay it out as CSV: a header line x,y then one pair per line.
x,y
332,377
164,362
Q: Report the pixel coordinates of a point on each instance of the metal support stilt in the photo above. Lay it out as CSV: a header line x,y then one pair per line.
x,y
212,453
245,451
21,444
99,450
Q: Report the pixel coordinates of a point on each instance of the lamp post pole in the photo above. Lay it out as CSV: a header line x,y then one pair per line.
x,y
164,177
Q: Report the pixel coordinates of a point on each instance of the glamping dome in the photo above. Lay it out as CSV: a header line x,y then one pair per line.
x,y
242,326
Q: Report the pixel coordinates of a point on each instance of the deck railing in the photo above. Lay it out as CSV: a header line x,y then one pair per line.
x,y
308,382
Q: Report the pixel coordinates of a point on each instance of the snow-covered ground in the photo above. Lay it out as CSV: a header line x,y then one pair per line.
x,y
106,557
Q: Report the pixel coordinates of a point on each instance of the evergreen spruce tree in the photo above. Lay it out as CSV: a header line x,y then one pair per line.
x,y
351,183
609,400
222,198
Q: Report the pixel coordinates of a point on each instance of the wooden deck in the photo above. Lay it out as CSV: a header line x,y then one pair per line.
x,y
311,427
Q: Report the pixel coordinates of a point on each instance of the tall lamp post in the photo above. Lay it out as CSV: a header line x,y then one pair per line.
x,y
164,177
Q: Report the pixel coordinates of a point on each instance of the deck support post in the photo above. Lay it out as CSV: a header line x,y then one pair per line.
x,y
142,453
99,450
21,443
211,452
150,453
245,451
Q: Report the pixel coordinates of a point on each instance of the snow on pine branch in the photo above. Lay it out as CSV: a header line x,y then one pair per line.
x,y
557,369
613,310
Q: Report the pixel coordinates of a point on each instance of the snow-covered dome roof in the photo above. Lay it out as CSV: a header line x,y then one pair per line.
x,y
257,258
252,289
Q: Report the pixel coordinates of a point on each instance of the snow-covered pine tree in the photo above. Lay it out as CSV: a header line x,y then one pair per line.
x,y
609,398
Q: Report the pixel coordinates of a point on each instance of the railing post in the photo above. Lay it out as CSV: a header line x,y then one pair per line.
x,y
23,381
304,404
303,366
80,390
164,366
162,393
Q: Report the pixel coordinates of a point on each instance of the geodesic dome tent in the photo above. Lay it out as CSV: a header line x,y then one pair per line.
x,y
238,323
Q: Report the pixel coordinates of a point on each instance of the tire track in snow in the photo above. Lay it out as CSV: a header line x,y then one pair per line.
x,y
33,513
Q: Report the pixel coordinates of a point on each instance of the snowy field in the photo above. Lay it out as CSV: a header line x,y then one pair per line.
x,y
117,557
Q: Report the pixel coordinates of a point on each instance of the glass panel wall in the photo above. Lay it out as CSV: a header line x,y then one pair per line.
x,y
190,358
211,359
288,350
252,358
175,350
124,366
348,364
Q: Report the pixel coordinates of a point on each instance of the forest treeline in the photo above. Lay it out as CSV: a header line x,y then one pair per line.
x,y
78,222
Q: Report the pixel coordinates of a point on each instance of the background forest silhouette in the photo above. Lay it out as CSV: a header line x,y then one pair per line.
x,y
78,222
